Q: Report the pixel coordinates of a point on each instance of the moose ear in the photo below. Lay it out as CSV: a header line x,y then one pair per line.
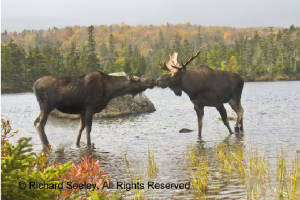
x,y
131,77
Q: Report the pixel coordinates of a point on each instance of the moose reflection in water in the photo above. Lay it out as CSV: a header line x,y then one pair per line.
x,y
205,87
85,95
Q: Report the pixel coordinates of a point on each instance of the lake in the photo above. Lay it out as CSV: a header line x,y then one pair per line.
x,y
271,123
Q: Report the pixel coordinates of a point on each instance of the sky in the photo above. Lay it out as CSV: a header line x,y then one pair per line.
x,y
17,15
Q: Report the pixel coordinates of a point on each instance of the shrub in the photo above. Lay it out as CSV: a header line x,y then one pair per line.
x,y
21,166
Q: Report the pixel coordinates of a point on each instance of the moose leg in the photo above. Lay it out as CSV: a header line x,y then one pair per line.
x,y
223,114
233,104
237,107
37,120
40,123
200,112
82,126
241,116
88,124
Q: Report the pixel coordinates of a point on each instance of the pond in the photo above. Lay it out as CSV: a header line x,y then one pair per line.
x,y
271,123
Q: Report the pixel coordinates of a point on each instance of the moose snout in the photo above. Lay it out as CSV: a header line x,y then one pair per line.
x,y
152,82
160,83
148,82
157,82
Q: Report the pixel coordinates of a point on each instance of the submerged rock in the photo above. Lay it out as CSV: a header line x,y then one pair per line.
x,y
229,117
185,130
119,106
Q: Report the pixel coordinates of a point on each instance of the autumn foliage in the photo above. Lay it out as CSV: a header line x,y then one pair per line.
x,y
251,52
87,171
20,165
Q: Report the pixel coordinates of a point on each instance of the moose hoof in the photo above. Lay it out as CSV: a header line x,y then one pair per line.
x,y
237,129
91,146
47,148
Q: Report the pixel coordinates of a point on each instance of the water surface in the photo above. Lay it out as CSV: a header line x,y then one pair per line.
x,y
271,122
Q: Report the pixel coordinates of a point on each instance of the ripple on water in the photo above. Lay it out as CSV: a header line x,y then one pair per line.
x,y
271,123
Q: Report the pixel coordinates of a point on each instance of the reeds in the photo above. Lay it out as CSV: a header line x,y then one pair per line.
x,y
288,181
199,178
199,172
152,169
231,163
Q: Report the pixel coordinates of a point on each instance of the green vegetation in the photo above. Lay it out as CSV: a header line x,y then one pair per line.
x,y
255,53
20,166
288,181
138,193
251,170
152,169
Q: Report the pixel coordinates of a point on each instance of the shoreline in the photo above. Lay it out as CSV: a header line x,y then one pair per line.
x,y
259,79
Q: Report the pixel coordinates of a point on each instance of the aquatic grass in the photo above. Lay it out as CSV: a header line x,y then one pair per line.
x,y
198,167
223,155
253,172
288,181
138,194
256,175
152,169
127,163
231,162
230,159
281,176
199,178
294,180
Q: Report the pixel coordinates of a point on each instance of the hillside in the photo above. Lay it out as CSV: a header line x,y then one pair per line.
x,y
263,53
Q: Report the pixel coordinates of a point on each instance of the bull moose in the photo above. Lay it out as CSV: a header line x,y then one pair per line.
x,y
85,95
205,87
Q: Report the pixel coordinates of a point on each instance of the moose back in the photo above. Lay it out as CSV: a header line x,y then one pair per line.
x,y
85,95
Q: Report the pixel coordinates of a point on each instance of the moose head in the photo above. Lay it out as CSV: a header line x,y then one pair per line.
x,y
176,71
138,84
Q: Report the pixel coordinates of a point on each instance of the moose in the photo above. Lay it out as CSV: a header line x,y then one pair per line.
x,y
85,95
205,87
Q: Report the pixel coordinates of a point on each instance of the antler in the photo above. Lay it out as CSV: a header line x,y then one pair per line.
x,y
172,64
190,59
163,66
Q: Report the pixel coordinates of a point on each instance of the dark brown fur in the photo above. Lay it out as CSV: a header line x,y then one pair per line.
x,y
85,95
208,87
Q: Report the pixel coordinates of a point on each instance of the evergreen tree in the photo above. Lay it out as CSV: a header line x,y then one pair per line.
x,y
72,61
198,38
176,40
112,55
103,56
13,67
92,60
36,63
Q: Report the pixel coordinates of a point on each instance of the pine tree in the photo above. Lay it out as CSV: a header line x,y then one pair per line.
x,y
13,65
198,38
176,41
92,60
112,55
72,60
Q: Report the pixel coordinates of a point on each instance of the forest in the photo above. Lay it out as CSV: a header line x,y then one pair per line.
x,y
258,54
